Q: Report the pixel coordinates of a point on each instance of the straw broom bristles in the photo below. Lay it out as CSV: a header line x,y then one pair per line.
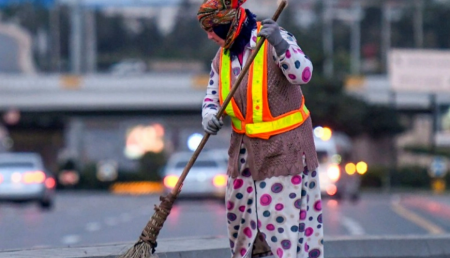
x,y
145,246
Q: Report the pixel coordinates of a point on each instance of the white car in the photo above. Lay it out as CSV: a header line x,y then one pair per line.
x,y
23,178
207,178
337,174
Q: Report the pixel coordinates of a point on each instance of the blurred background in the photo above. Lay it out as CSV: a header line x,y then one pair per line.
x,y
106,92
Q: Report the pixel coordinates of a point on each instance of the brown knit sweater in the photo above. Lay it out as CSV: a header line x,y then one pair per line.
x,y
281,154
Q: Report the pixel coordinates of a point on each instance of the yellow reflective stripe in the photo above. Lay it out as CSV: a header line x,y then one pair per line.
x,y
279,124
257,84
305,109
236,123
225,71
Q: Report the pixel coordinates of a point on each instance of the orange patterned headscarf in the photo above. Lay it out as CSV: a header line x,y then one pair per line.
x,y
217,12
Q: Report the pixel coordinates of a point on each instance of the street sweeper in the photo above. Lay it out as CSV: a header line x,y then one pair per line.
x,y
273,197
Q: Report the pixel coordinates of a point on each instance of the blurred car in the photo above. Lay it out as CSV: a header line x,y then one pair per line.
x,y
339,177
207,178
24,178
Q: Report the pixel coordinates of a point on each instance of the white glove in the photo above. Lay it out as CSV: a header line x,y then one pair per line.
x,y
211,124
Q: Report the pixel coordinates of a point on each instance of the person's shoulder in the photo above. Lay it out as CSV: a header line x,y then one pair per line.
x,y
287,35
217,55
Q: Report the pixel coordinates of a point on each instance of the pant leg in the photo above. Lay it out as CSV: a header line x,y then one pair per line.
x,y
289,213
241,214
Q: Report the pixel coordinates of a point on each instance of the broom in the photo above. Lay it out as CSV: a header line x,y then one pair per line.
x,y
146,245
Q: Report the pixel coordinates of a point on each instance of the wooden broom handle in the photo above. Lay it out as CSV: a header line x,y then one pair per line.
x,y
225,103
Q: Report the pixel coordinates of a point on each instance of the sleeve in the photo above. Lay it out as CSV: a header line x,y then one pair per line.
x,y
211,101
296,66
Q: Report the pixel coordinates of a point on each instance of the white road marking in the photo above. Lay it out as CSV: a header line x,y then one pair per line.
x,y
92,226
352,226
70,239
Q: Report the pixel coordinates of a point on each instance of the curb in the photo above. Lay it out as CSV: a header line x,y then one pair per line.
x,y
429,246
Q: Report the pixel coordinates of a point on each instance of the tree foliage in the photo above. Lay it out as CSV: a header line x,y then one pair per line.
x,y
331,106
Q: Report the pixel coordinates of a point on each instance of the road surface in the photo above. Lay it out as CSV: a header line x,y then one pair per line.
x,y
85,218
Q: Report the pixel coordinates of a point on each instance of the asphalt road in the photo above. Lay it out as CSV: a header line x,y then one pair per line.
x,y
95,218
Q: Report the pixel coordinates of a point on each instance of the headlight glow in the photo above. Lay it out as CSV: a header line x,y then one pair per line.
x,y
171,181
361,167
334,172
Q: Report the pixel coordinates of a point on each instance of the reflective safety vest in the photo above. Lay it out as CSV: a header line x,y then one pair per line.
x,y
259,121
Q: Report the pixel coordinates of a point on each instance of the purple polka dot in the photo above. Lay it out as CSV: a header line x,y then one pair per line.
x,y
270,227
211,74
293,77
318,205
288,54
248,232
286,244
208,99
296,180
309,232
246,173
306,75
303,214
259,223
231,216
306,247
265,199
211,82
299,50
279,207
238,183
230,205
301,227
277,188
315,253
253,224
236,71
254,38
231,244
214,92
298,203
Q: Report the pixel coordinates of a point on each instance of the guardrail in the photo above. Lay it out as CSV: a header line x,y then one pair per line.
x,y
429,246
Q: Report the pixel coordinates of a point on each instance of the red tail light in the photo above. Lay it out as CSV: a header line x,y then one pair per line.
x,y
50,182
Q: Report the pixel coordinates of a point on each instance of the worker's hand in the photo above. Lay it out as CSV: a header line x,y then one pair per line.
x,y
271,31
211,124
